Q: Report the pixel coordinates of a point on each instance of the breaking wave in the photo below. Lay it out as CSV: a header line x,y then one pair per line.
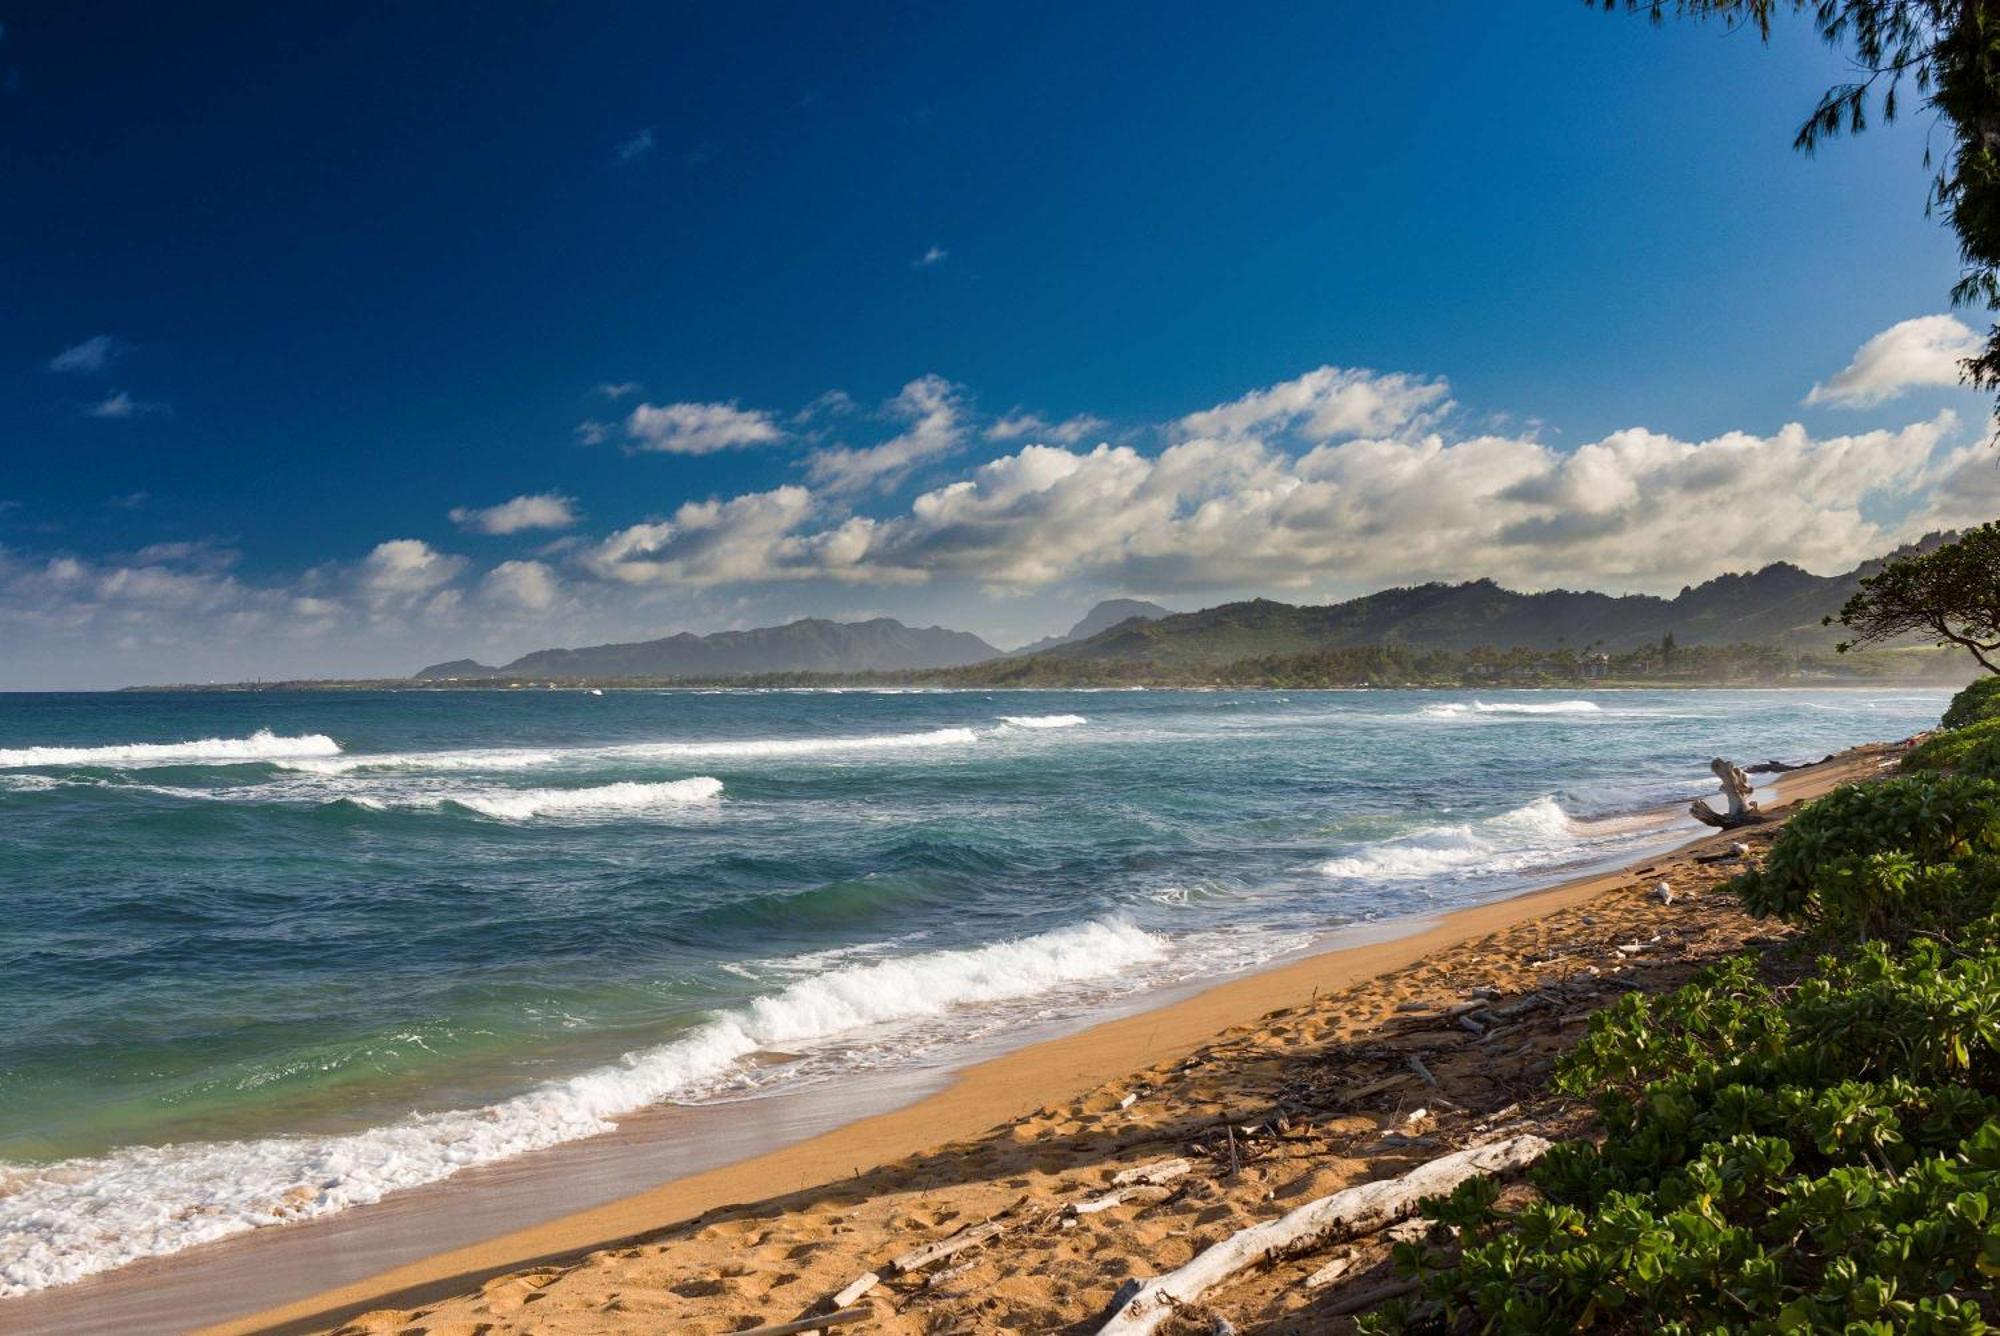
x,y
605,799
263,745
1536,833
533,758
1042,720
1460,710
64,1221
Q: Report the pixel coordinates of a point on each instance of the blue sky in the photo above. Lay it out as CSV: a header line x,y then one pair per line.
x,y
777,310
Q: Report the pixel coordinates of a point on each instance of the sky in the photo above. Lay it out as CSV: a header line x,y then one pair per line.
x,y
341,340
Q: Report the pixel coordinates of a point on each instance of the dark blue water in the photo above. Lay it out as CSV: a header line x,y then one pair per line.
x,y
270,955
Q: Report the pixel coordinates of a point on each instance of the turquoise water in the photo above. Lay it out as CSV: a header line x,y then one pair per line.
x,y
268,956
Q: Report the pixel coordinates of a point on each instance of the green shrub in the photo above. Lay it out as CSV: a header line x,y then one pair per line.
x,y
1827,1161
1870,861
1978,702
1971,750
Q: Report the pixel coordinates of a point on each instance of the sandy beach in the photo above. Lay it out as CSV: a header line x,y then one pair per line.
x,y
1277,1087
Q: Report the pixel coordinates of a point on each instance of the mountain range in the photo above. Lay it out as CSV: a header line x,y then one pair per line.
x,y
1099,620
813,645
1781,604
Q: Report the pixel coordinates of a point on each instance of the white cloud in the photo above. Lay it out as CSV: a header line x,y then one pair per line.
x,y
748,539
932,407
592,432
932,257
92,355
1635,511
616,389
119,406
1019,425
527,586
1912,353
544,510
408,566
1326,403
834,403
699,429
636,147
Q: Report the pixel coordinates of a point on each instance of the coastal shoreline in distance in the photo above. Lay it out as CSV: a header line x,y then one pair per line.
x,y
813,1192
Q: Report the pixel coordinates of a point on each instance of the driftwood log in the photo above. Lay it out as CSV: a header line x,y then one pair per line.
x,y
1346,1214
1735,788
817,1323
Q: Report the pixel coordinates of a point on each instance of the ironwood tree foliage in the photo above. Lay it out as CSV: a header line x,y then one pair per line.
x,y
1951,593
1948,51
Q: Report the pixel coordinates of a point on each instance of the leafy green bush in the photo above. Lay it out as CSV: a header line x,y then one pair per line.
x,y
1819,1159
1971,750
1871,861
1827,1161
1978,702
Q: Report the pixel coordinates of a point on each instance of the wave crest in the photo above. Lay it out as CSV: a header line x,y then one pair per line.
x,y
263,745
533,758
1042,720
1461,710
603,800
1536,832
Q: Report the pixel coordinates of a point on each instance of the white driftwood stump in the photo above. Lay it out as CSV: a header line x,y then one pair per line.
x,y
1736,788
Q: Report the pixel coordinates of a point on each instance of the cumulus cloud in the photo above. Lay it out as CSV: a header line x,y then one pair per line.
x,y
1020,425
408,566
86,358
761,536
1637,510
699,429
616,389
934,410
592,432
1326,403
543,510
1912,353
935,255
528,586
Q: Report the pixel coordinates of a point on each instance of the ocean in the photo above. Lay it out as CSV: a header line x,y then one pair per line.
x,y
272,956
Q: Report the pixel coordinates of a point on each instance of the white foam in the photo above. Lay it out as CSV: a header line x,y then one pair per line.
x,y
1536,833
263,745
603,800
733,748
62,1222
1042,720
1459,710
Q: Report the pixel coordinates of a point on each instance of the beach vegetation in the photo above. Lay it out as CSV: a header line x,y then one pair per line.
x,y
1815,1156
1867,861
1972,750
1977,703
1950,594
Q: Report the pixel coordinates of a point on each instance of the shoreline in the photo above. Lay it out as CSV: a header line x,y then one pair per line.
x,y
961,1104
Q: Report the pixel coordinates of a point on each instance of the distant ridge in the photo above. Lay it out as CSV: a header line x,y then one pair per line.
x,y
812,645
1778,605
1099,619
